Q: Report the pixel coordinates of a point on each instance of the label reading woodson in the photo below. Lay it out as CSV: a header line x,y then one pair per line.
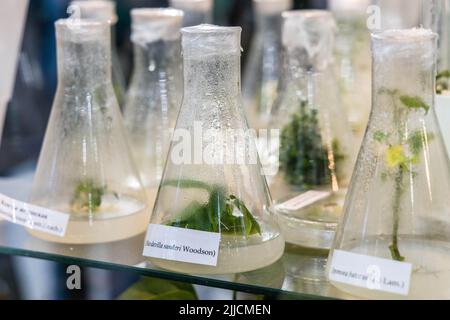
x,y
370,272
184,245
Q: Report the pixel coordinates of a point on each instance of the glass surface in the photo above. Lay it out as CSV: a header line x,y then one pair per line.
x,y
299,274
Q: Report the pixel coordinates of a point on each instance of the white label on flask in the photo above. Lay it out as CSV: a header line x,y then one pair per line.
x,y
303,200
179,244
33,217
370,272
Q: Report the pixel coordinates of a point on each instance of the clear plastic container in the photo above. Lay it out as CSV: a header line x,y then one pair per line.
x,y
315,152
263,69
154,96
104,11
195,11
85,167
211,184
397,207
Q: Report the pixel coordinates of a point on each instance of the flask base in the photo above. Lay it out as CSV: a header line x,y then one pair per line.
x,y
106,227
430,272
313,226
252,256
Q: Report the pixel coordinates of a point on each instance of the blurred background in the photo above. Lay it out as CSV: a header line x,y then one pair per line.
x,y
26,120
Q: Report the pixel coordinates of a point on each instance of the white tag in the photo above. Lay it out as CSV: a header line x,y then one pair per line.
x,y
370,272
33,217
179,244
303,200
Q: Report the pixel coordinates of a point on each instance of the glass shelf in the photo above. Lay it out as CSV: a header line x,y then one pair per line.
x,y
300,274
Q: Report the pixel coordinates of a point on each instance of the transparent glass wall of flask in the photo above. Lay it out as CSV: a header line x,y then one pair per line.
x,y
398,14
315,151
195,11
353,61
397,207
436,16
85,167
263,68
154,96
105,11
213,181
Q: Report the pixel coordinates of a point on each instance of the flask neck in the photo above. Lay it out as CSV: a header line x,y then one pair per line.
x,y
212,77
155,61
403,75
84,65
297,71
269,23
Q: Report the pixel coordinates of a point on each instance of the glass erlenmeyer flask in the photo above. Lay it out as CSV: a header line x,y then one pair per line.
x,y
85,167
353,61
397,210
105,11
220,189
154,96
315,151
259,86
436,16
195,11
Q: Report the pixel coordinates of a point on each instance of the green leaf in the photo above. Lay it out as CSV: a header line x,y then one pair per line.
x,y
251,225
445,74
391,92
414,102
159,289
87,196
217,214
195,216
380,136
415,142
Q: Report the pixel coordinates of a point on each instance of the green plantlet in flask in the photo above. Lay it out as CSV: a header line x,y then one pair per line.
x,y
303,158
87,197
401,154
234,217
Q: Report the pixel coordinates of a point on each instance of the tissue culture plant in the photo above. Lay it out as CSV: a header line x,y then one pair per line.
x,y
402,151
303,157
234,217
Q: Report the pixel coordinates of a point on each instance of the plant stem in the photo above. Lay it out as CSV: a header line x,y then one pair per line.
x,y
395,253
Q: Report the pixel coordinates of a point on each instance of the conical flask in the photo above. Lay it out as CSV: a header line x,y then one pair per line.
x,y
315,150
213,180
104,11
262,71
154,96
436,16
85,167
195,11
396,220
353,61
